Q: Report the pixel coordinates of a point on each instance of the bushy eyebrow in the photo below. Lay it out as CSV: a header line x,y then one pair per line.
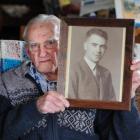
x,y
50,39
104,45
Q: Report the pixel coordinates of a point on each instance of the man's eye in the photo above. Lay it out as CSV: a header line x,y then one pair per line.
x,y
51,42
93,44
103,46
33,45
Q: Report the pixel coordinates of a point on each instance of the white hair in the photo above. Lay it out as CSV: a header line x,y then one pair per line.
x,y
43,18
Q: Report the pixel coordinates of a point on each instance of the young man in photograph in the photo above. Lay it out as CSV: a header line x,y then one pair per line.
x,y
88,79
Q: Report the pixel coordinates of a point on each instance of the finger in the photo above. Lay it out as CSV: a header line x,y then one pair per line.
x,y
135,66
60,97
55,108
135,86
136,76
135,61
57,102
64,100
50,107
135,82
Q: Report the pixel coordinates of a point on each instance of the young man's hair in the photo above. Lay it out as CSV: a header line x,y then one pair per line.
x,y
97,32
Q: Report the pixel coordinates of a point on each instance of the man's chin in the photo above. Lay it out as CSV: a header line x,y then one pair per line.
x,y
44,69
97,60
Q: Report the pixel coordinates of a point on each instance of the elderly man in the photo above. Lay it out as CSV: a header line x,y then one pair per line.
x,y
31,109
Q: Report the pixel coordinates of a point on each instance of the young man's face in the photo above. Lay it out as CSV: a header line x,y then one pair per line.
x,y
42,47
95,47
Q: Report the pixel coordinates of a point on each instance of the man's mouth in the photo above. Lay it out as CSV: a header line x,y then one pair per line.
x,y
98,55
45,60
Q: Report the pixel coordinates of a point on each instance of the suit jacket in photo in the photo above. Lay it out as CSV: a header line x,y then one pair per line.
x,y
83,84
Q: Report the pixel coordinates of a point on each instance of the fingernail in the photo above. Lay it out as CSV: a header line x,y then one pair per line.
x,y
63,109
68,104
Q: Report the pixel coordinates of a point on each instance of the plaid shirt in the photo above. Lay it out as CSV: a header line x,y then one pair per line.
x,y
40,79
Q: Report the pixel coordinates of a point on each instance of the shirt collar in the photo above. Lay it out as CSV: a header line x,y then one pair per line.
x,y
91,64
31,70
41,80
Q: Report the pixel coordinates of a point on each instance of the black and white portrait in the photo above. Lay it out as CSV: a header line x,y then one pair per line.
x,y
95,63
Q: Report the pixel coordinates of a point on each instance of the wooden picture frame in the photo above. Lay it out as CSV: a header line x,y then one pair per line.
x,y
117,59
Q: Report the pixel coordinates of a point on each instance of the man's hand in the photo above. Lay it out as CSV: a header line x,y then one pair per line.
x,y
135,67
51,102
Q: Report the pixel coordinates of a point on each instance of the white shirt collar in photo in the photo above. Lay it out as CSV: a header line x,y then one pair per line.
x,y
91,65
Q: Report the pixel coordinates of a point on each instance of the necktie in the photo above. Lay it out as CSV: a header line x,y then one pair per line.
x,y
97,77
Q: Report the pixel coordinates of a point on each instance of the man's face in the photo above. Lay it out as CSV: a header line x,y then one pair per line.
x,y
42,47
95,47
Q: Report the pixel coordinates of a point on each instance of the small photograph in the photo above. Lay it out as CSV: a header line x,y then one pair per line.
x,y
129,9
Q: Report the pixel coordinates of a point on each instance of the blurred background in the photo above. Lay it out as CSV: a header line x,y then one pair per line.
x,y
14,14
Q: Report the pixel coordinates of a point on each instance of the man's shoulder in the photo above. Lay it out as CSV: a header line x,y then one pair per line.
x,y
103,69
81,64
79,68
18,71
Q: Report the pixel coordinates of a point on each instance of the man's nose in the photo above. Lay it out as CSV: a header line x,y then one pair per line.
x,y
98,49
42,51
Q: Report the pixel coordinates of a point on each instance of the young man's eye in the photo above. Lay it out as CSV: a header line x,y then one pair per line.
x,y
103,46
93,44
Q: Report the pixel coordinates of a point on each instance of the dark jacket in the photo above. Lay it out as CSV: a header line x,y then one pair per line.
x,y
20,120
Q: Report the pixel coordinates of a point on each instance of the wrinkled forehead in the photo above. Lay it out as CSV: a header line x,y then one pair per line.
x,y
44,30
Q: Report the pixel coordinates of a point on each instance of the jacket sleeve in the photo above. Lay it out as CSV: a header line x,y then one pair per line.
x,y
73,84
111,92
118,125
15,121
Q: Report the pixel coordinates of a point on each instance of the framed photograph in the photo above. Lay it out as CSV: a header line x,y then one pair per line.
x,y
94,62
128,9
